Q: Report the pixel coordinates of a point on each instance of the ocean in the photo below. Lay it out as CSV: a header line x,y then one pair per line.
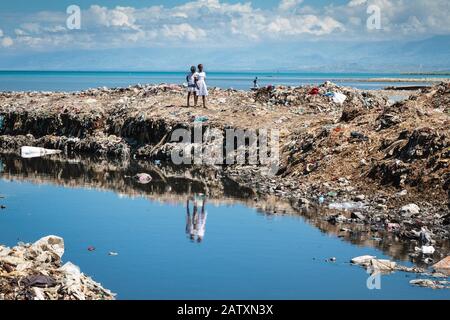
x,y
76,81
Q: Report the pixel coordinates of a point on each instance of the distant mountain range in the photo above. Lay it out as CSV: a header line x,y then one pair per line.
x,y
428,55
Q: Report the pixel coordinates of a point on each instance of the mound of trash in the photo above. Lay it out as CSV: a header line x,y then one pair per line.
x,y
35,272
415,141
327,97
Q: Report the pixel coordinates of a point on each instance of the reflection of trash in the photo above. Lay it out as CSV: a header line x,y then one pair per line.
x,y
34,272
35,152
143,178
426,249
427,283
2,207
113,254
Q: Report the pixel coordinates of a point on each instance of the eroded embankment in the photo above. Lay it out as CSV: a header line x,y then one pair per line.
x,y
372,159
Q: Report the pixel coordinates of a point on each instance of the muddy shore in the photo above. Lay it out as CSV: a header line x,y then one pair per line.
x,y
362,166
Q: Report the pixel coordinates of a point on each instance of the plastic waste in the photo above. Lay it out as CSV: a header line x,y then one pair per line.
x,y
2,122
426,249
50,244
143,178
201,119
321,199
314,91
35,152
39,281
362,260
346,206
339,97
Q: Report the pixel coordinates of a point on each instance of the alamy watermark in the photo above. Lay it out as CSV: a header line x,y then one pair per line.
x,y
209,146
73,21
374,280
374,20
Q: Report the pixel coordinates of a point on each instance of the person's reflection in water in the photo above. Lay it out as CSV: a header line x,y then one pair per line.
x,y
196,224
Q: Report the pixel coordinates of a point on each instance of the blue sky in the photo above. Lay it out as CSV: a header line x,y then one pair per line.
x,y
228,33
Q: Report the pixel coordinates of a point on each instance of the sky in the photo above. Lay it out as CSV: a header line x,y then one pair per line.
x,y
230,34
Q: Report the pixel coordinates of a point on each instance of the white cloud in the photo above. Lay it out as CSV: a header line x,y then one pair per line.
x,y
7,42
183,31
355,3
286,5
307,24
118,17
215,22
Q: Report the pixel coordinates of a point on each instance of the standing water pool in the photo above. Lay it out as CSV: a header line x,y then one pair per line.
x,y
238,252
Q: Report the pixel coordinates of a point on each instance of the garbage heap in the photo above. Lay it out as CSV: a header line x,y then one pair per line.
x,y
326,98
415,141
404,145
35,272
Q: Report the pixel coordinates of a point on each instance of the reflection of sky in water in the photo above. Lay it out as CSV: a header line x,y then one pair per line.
x,y
244,254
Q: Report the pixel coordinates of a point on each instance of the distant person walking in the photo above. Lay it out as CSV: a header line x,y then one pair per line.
x,y
255,83
202,89
190,78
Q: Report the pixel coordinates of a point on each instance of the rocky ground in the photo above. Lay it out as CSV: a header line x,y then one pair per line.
x,y
365,164
35,272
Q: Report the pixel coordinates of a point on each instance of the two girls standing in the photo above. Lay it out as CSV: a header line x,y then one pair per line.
x,y
197,85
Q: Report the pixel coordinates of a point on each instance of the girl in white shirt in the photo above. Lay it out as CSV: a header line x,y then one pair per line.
x,y
202,88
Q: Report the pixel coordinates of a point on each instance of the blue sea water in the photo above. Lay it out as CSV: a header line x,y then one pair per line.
x,y
245,254
76,81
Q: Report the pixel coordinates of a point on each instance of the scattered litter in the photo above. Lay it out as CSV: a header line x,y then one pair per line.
x,y
410,209
35,152
113,254
91,248
143,178
358,216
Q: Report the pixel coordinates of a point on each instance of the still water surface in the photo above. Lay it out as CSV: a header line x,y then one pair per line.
x,y
244,253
